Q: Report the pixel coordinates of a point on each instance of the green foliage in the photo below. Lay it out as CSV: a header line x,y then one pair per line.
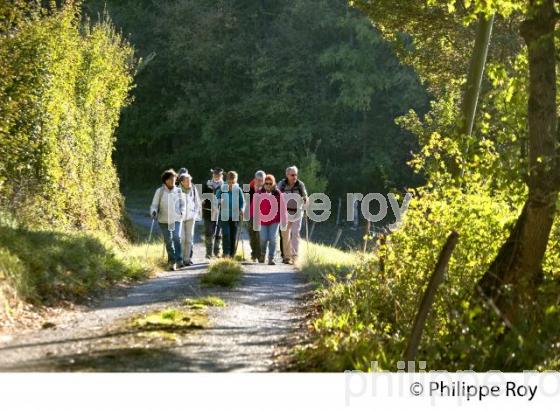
x,y
46,266
202,302
365,315
317,261
168,324
436,37
310,172
63,84
252,85
474,185
223,272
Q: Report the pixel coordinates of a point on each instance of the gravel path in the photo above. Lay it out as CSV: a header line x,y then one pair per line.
x,y
261,314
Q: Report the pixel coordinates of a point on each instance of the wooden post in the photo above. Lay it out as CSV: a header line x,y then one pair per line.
x,y
338,234
382,256
356,216
312,229
428,298
366,236
338,211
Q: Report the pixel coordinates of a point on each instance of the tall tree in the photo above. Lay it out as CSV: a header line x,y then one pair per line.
x,y
512,278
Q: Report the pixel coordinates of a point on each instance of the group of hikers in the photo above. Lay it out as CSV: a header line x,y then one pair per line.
x,y
272,208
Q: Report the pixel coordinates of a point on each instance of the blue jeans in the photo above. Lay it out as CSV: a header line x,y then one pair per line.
x,y
268,236
229,232
172,241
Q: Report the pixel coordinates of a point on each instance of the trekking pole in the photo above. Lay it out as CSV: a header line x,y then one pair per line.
x,y
306,231
242,242
237,239
149,238
216,228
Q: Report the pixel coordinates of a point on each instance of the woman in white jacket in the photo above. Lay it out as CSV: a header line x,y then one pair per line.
x,y
168,208
191,215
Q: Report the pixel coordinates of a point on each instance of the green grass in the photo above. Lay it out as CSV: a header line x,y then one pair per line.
x,y
45,267
318,261
335,334
202,302
223,272
169,323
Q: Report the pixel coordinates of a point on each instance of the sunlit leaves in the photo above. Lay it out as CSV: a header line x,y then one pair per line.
x,y
62,86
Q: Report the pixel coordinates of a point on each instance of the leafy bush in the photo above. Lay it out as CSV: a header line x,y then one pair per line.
x,y
364,315
63,84
223,272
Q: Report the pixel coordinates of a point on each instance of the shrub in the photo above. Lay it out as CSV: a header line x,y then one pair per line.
x,y
223,272
63,84
365,315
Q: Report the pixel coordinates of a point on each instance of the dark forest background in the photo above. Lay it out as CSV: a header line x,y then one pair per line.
x,y
262,84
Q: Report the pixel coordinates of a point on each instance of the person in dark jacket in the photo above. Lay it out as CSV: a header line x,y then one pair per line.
x,y
271,211
290,236
255,185
212,229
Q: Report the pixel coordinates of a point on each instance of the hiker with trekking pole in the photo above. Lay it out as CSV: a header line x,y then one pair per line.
x,y
296,199
168,208
256,184
192,208
269,215
212,229
232,203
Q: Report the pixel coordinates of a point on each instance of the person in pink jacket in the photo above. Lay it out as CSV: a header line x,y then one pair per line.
x,y
270,213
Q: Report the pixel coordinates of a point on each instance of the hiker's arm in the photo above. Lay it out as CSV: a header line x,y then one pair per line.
x,y
183,204
303,192
197,204
154,208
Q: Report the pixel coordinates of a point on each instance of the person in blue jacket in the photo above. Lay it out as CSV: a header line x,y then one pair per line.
x,y
232,203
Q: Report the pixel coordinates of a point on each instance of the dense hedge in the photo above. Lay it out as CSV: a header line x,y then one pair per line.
x,y
63,83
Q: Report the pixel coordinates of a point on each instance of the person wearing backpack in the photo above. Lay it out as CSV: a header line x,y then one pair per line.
x,y
212,229
291,236
191,198
230,197
168,208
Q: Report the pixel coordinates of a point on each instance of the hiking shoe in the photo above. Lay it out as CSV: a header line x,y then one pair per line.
x,y
286,261
261,260
271,262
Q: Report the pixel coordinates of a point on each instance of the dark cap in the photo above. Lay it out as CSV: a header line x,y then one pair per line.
x,y
217,170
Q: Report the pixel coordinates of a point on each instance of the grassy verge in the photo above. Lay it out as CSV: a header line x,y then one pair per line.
x,y
223,272
46,267
318,261
337,327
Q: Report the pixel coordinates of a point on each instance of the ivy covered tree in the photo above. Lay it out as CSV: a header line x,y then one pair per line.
x,y
63,83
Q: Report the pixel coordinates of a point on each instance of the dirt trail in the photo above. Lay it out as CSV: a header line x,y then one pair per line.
x,y
245,335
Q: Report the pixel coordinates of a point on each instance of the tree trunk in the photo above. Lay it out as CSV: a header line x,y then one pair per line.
x,y
473,84
512,278
476,71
